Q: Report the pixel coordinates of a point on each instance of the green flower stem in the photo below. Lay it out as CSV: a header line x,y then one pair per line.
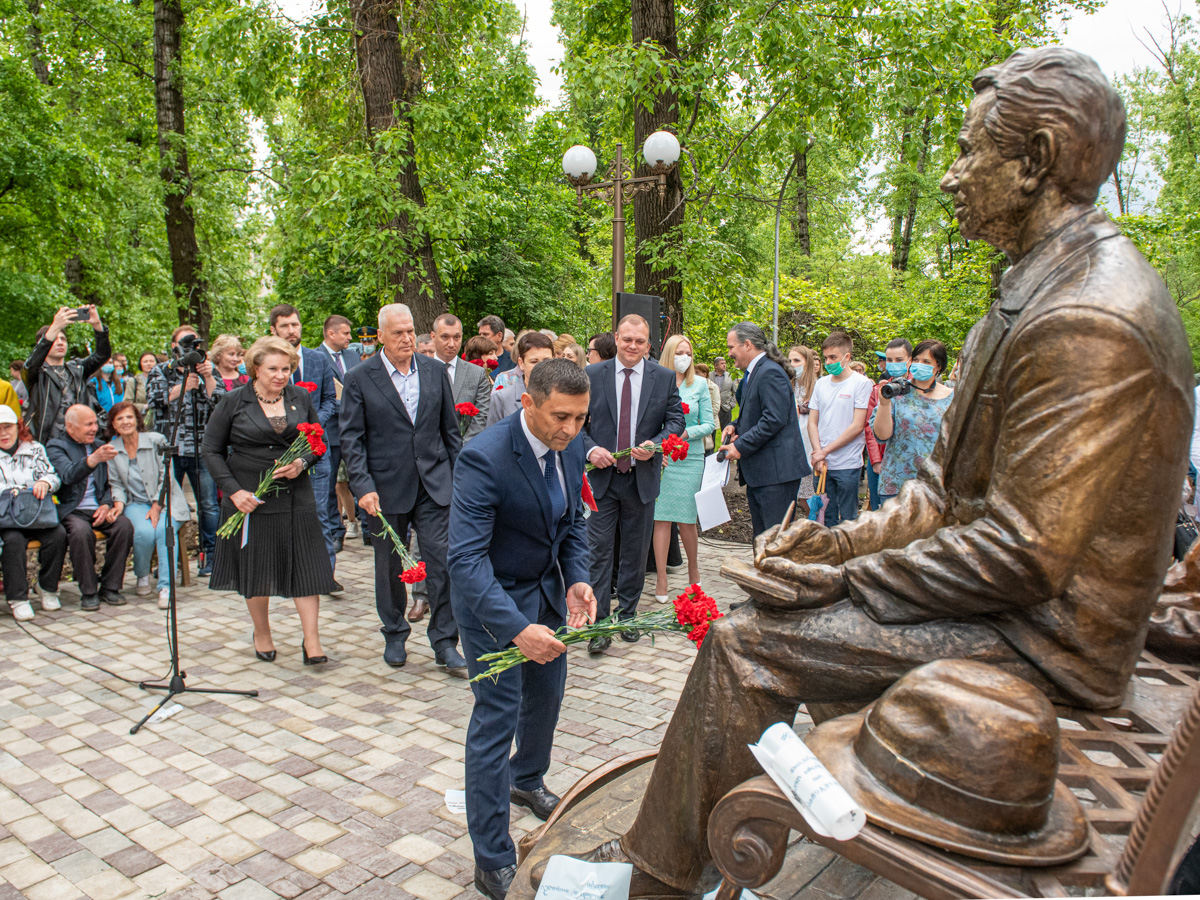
x,y
401,550
293,453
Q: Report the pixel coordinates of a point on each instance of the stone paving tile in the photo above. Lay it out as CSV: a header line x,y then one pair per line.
x,y
329,784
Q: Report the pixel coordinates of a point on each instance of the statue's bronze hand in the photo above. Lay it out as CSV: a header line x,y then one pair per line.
x,y
816,585
802,542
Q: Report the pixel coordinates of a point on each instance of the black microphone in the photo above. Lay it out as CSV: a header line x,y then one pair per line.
x,y
721,454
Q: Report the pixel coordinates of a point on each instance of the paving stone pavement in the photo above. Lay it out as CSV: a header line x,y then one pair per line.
x,y
330,783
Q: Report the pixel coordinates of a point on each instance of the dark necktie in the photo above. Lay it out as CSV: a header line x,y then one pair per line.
x,y
449,373
558,503
337,358
624,427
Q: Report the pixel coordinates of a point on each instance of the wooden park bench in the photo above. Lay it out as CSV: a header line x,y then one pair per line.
x,y
1135,770
187,537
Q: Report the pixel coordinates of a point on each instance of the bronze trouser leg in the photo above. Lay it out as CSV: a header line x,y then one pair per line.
x,y
755,668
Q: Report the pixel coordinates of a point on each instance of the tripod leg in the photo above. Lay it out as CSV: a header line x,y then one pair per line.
x,y
146,718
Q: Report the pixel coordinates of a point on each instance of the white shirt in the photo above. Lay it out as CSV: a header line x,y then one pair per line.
x,y
451,367
540,450
334,356
753,363
407,386
835,403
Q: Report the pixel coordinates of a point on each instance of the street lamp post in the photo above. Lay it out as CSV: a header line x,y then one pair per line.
x,y
661,152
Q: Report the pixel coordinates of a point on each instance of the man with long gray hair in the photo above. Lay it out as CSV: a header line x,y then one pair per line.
x,y
765,439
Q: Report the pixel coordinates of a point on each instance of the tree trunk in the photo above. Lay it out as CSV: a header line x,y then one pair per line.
x,y
898,213
800,224
36,48
900,251
654,20
186,272
391,82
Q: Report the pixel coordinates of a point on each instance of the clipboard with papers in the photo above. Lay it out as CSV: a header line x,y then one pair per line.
x,y
711,509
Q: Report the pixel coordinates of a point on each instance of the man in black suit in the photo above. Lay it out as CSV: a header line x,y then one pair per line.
x,y
765,438
399,436
86,505
634,403
471,383
337,345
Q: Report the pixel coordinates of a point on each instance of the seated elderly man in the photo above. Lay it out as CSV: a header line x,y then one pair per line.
x,y
1005,549
86,505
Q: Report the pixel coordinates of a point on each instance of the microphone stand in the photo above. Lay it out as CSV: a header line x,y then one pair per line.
x,y
177,684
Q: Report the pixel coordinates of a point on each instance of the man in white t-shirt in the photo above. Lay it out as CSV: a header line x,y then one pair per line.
x,y
836,424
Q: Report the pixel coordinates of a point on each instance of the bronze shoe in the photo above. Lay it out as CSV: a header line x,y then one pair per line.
x,y
641,886
417,611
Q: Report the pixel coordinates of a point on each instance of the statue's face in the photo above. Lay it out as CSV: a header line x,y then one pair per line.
x,y
989,200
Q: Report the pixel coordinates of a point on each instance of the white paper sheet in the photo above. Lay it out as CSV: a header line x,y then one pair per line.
x,y
746,895
574,879
715,472
823,803
456,801
245,530
711,509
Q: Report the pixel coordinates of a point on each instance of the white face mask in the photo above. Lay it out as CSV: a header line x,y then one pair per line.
x,y
682,362
799,367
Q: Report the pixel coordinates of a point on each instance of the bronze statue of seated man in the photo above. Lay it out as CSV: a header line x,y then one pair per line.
x,y
1037,534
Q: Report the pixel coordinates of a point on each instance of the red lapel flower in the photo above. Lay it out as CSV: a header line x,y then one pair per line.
x,y
686,408
308,386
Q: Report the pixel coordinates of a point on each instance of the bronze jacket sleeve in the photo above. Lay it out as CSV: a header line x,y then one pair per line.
x,y
1076,394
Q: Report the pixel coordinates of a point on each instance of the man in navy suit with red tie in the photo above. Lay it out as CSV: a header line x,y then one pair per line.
x,y
518,572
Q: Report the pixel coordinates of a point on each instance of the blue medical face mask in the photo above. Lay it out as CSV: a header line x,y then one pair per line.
x,y
921,371
241,368
107,369
897,369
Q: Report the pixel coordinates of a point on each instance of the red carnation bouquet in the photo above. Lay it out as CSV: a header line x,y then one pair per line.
x,y
674,448
692,615
413,571
492,363
309,441
309,386
586,495
466,412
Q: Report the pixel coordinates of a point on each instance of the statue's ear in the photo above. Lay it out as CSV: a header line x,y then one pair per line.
x,y
1041,154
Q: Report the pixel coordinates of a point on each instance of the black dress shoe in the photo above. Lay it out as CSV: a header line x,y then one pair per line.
x,y
90,602
452,661
599,644
631,637
494,883
394,654
112,598
541,802
312,660
264,655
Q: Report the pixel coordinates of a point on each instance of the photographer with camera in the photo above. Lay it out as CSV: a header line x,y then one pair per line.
x,y
909,416
894,365
54,383
188,371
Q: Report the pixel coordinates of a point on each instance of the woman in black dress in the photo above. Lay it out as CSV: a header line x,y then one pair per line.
x,y
284,551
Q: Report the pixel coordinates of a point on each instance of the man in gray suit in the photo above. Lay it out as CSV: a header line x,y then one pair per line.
x,y
471,384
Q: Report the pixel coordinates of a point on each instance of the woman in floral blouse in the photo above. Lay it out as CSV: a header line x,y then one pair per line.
x,y
910,422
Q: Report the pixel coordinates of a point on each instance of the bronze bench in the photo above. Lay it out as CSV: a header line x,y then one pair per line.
x,y
1135,769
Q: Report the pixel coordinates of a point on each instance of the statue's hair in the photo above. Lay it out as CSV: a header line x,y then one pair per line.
x,y
1065,92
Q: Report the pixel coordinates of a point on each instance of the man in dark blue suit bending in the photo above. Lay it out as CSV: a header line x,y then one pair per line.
x,y
766,436
518,572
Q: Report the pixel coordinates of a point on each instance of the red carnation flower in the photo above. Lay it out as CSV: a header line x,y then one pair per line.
x,y
467,409
588,500
478,362
492,363
695,608
308,386
413,575
499,387
686,409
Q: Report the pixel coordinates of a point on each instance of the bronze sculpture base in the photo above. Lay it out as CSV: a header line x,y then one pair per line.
x,y
600,807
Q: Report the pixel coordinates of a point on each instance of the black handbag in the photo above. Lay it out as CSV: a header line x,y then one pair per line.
x,y
19,508
1185,534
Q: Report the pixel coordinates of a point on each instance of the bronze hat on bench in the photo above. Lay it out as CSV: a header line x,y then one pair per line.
x,y
963,756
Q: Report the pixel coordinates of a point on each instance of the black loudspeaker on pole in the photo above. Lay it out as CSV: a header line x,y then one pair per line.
x,y
649,307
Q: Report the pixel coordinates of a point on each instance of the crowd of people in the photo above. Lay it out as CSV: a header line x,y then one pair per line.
x,y
93,449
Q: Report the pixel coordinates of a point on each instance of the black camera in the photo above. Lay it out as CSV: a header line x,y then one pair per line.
x,y
893,389
190,352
